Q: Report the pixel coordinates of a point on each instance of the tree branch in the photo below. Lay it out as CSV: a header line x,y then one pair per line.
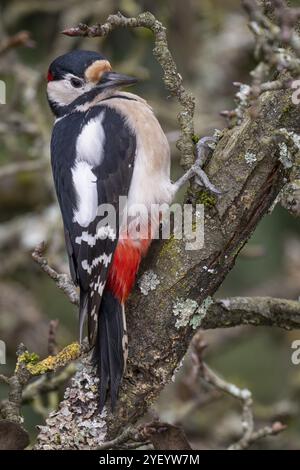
x,y
20,39
200,368
256,311
62,281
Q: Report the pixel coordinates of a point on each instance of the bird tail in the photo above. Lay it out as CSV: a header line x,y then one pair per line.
x,y
110,352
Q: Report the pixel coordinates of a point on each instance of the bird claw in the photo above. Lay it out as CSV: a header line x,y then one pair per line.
x,y
203,181
204,148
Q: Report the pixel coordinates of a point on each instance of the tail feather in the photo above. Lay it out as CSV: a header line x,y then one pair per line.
x,y
83,306
103,363
108,352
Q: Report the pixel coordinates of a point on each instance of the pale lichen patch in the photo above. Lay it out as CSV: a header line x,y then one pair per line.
x,y
209,270
243,94
291,135
242,98
78,423
225,303
250,158
148,282
289,197
285,155
197,319
189,312
184,310
285,148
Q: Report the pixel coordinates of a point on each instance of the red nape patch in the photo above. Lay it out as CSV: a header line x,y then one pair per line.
x,y
50,76
125,265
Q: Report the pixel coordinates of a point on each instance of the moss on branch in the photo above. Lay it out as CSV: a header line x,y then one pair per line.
x,y
50,363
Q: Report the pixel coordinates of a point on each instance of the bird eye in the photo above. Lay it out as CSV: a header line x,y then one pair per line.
x,y
76,83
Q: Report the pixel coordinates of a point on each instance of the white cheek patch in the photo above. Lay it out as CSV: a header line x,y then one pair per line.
x,y
85,186
62,92
90,143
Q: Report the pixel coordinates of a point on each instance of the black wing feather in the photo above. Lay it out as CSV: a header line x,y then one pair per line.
x,y
113,180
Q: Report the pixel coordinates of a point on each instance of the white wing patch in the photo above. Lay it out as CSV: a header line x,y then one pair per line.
x,y
99,286
103,259
102,234
90,142
84,181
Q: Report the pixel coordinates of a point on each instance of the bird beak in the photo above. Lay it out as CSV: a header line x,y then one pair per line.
x,y
114,80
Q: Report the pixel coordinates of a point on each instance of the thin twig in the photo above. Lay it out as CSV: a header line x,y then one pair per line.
x,y
249,436
62,281
270,54
20,39
4,379
267,431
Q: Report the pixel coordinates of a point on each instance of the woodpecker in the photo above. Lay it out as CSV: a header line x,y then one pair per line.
x,y
106,144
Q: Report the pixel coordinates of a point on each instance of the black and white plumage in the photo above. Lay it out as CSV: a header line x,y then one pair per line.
x,y
105,144
84,179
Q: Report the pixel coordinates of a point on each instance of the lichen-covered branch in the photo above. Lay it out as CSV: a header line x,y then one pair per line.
x,y
249,435
20,390
10,408
218,313
273,60
266,431
51,363
290,198
256,311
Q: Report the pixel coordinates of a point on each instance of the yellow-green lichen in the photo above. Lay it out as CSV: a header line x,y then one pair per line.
x,y
195,138
169,247
51,363
170,253
205,198
27,358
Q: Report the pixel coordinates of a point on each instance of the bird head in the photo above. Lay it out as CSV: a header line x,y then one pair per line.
x,y
77,73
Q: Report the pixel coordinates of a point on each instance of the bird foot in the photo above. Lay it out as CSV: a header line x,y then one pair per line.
x,y
204,148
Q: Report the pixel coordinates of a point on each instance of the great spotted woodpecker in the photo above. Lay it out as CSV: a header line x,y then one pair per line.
x,y
105,144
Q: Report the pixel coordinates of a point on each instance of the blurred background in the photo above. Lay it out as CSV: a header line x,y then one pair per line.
x,y
213,48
